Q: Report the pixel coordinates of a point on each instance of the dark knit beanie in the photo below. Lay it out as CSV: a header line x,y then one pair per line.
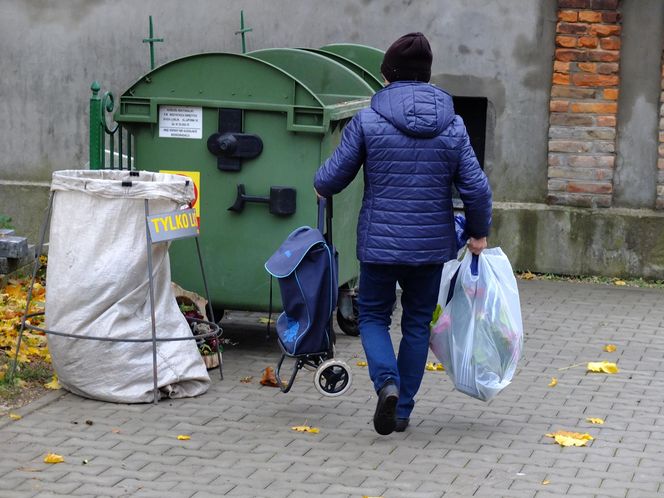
x,y
408,59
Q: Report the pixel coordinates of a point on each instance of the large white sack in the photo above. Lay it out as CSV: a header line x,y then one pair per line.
x,y
97,285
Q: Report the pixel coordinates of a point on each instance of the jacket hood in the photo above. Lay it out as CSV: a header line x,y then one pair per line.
x,y
417,109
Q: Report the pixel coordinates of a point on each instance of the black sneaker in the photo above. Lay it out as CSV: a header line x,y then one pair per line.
x,y
385,418
401,424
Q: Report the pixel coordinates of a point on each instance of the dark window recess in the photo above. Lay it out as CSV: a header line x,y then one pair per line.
x,y
473,112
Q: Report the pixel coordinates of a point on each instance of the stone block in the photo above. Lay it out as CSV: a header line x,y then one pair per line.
x,y
13,247
4,232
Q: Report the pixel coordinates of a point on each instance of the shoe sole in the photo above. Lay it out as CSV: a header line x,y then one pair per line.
x,y
385,419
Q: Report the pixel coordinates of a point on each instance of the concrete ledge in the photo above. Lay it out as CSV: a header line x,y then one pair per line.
x,y
613,242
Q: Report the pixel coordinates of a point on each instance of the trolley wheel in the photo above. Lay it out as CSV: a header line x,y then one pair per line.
x,y
333,378
348,324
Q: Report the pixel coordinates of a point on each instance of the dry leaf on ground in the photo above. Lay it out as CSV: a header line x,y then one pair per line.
x,y
247,379
53,458
554,382
594,420
54,384
361,363
183,437
610,348
306,428
269,378
619,283
14,416
603,367
566,438
431,366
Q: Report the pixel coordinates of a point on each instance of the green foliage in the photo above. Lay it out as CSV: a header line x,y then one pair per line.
x,y
5,221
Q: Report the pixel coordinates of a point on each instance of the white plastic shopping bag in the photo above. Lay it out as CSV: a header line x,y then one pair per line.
x,y
478,336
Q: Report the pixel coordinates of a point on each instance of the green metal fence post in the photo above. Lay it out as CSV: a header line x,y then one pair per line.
x,y
96,132
152,40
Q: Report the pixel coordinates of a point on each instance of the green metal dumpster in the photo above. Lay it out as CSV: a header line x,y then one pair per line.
x,y
250,130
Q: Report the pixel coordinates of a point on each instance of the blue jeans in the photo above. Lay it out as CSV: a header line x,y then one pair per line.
x,y
420,285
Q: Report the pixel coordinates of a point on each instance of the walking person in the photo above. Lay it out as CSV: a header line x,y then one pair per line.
x,y
414,149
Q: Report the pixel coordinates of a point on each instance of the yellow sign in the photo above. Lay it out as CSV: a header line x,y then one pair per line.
x,y
196,178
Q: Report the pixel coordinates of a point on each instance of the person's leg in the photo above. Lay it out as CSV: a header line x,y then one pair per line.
x,y
420,286
375,301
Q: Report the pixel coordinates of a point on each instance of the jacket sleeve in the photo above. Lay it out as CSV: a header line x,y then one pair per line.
x,y
474,189
339,170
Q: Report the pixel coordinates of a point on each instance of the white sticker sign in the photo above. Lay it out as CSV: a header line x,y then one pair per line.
x,y
178,121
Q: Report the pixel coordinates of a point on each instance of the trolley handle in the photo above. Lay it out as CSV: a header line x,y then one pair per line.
x,y
325,218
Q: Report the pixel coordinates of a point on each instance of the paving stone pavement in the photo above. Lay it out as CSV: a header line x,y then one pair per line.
x,y
242,443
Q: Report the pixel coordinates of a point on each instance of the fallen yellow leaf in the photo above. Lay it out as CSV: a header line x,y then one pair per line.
x,y
527,276
546,481
53,458
361,363
566,438
610,348
554,382
54,384
183,437
14,416
265,321
619,282
603,366
247,379
592,420
431,366
306,428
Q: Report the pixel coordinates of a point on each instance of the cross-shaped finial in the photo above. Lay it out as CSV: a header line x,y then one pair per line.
x,y
243,31
152,40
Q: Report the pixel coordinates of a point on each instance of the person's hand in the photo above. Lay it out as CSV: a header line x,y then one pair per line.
x,y
476,246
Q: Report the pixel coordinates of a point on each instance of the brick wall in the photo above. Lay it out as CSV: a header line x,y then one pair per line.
x,y
660,161
584,103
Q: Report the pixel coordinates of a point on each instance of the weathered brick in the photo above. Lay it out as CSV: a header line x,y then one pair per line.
x,y
602,55
556,160
608,68
604,146
593,161
579,200
567,54
569,146
590,16
610,17
566,41
604,4
590,187
660,163
578,133
605,120
588,41
572,93
561,79
588,67
595,107
573,4
610,43
570,120
556,185
558,105
568,15
571,28
601,80
605,29
611,93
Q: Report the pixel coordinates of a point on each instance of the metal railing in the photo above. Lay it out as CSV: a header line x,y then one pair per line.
x,y
110,146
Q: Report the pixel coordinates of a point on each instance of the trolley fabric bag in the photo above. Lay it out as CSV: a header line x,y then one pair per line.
x,y
306,268
478,336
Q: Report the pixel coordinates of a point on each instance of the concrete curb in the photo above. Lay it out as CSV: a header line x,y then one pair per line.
x,y
45,400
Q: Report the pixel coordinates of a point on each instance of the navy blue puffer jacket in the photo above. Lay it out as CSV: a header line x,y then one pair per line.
x,y
414,148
